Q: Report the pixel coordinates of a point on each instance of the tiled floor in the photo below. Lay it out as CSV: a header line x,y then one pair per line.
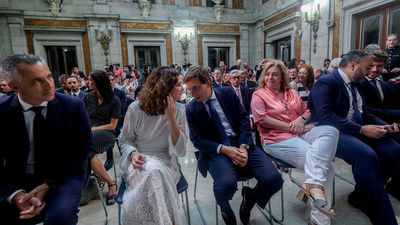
x,y
295,211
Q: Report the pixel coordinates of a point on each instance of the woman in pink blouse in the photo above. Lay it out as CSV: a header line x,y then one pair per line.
x,y
281,118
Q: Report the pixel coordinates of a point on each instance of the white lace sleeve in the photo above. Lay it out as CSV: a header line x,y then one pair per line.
x,y
127,139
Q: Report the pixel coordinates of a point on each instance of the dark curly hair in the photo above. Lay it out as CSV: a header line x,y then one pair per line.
x,y
103,85
153,97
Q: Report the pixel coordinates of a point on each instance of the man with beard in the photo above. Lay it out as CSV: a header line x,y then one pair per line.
x,y
365,141
74,85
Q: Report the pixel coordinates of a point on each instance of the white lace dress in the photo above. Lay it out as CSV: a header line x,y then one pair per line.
x,y
151,197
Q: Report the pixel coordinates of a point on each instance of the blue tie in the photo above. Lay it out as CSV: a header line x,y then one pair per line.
x,y
218,124
357,113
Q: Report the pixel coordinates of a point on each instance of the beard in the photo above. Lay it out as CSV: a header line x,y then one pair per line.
x,y
359,75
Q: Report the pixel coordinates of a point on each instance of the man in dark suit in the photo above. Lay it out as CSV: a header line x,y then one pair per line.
x,y
244,94
365,141
46,142
218,78
220,130
246,82
74,85
380,96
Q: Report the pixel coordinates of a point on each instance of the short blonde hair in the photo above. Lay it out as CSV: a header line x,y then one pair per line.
x,y
284,74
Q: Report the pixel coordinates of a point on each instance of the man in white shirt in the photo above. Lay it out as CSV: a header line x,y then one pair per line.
x,y
74,86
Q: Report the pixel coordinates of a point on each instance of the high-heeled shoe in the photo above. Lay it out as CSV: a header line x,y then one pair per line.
x,y
310,191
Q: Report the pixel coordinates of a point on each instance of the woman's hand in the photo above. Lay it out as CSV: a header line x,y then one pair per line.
x,y
138,160
308,127
171,107
297,126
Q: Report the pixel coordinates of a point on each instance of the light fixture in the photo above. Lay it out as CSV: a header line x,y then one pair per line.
x,y
184,34
104,39
312,16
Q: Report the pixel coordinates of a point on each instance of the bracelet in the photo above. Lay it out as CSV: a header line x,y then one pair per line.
x,y
304,119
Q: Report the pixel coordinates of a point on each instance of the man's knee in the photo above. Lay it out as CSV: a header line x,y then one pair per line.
x,y
225,184
64,214
273,183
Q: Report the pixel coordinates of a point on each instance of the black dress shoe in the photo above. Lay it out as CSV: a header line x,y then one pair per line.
x,y
393,190
109,164
228,216
247,204
354,200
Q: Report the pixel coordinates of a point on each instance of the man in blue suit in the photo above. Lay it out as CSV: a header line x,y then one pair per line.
x,y
74,85
220,129
365,140
46,140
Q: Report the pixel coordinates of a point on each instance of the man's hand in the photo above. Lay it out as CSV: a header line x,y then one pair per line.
x,y
395,70
138,160
392,128
238,156
373,131
34,199
297,126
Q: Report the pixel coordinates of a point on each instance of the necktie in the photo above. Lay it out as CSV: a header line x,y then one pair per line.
x,y
373,82
74,95
357,113
238,94
218,124
39,128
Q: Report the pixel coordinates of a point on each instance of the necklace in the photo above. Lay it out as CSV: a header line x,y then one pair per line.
x,y
282,100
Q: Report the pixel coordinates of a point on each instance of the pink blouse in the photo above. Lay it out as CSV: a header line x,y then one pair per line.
x,y
265,103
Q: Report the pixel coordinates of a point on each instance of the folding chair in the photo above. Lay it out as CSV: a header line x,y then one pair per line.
x,y
181,187
348,180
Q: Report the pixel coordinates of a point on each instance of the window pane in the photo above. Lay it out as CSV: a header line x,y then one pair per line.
x,y
154,60
224,56
141,55
371,30
212,58
394,22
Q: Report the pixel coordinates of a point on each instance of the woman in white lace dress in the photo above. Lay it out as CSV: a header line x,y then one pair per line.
x,y
153,135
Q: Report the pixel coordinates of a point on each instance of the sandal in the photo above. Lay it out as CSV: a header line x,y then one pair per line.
x,y
110,199
320,203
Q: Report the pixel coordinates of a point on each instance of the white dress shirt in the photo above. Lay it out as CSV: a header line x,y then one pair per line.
x,y
225,122
29,115
347,81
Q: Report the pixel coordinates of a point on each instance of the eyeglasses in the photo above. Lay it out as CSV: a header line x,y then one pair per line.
x,y
235,78
74,82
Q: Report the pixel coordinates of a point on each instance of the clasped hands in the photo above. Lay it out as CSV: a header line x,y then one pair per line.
x,y
239,156
298,126
32,203
377,131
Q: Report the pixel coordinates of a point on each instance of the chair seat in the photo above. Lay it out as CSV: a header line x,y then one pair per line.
x,y
280,162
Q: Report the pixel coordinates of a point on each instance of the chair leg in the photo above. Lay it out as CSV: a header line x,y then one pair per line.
x,y
333,193
101,198
119,215
195,199
187,208
216,213
115,173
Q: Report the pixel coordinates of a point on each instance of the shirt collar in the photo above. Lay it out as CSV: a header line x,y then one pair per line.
x,y
344,76
26,106
77,93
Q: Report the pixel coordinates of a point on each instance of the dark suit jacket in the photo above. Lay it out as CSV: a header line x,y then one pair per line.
x,y
122,98
247,94
215,85
202,133
81,94
329,105
249,84
382,109
69,140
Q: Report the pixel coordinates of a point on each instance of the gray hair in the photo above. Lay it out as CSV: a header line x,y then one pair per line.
x,y
243,70
334,64
233,71
8,67
353,56
372,47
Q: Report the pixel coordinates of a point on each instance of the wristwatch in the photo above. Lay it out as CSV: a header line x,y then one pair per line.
x,y
304,119
246,146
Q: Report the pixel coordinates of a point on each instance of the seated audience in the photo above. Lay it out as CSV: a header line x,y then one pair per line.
x,y
237,65
318,73
220,129
152,137
243,93
304,81
282,118
218,78
293,73
380,96
365,141
327,62
301,63
46,142
246,82
5,89
74,86
104,109
62,79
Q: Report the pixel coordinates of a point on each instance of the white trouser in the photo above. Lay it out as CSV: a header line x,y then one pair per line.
x,y
314,152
